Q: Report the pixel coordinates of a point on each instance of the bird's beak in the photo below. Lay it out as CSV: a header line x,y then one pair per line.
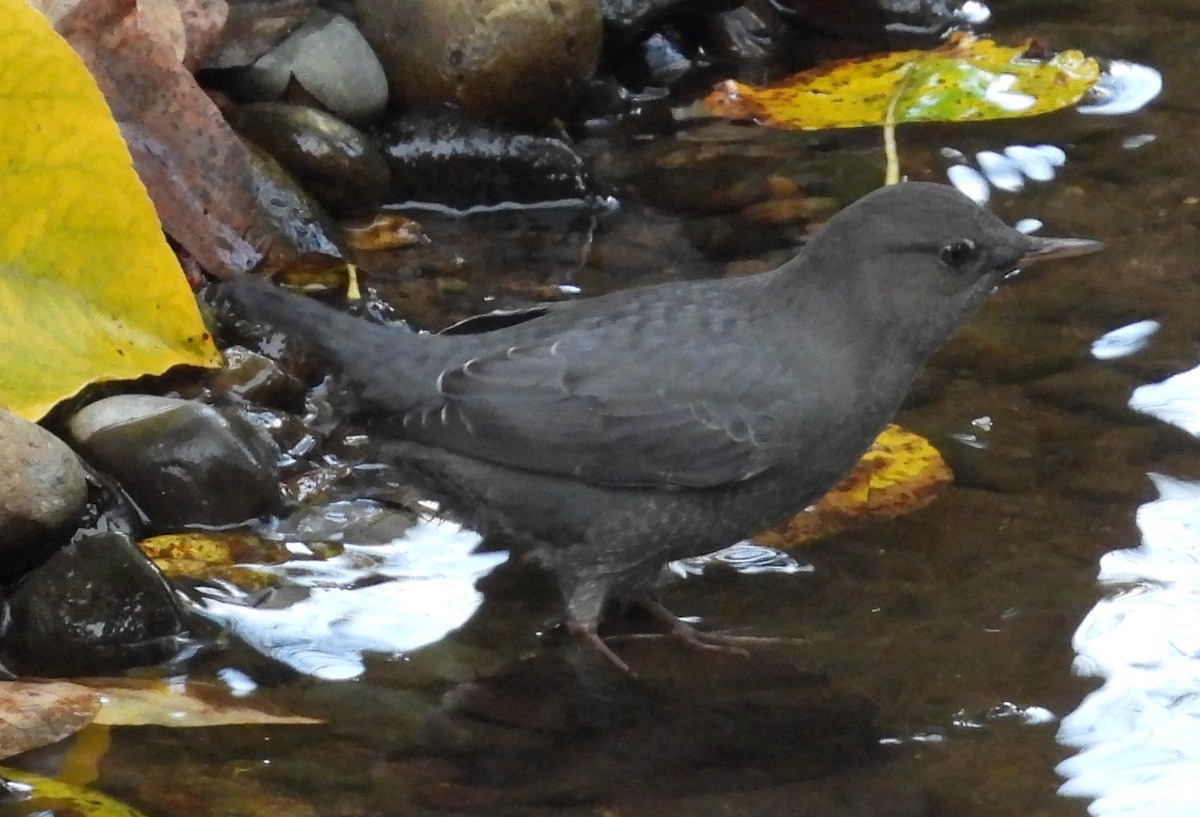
x,y
1046,249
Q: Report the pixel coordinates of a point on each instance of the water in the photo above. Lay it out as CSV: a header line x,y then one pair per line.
x,y
1024,646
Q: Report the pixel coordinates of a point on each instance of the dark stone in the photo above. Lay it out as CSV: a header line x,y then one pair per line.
x,y
42,493
293,219
332,159
631,16
181,462
97,606
451,160
517,61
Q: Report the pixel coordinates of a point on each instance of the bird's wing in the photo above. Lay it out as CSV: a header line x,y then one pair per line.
x,y
622,416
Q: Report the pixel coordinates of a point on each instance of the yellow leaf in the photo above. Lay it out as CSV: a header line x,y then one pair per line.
x,y
48,796
89,289
234,556
898,474
967,78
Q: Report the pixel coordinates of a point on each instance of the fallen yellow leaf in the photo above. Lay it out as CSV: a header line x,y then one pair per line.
x,y
967,78
89,289
899,473
49,796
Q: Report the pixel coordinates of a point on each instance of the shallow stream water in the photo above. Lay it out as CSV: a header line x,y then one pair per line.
x,y
1027,645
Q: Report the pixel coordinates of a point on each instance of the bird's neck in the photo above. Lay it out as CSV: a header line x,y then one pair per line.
x,y
875,308
875,352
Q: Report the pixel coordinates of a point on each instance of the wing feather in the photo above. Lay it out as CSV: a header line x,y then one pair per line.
x,y
558,407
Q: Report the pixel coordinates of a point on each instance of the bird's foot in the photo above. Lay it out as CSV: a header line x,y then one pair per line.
x,y
586,633
677,629
697,639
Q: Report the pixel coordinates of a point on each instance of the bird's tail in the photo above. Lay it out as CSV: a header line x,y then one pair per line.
x,y
358,348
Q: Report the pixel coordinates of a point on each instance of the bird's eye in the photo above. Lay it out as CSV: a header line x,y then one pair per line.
x,y
957,253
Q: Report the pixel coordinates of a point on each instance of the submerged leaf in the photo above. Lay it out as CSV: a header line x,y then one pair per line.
x,y
967,78
49,796
235,556
128,702
898,474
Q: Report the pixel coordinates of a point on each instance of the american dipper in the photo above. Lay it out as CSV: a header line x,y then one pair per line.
x,y
616,433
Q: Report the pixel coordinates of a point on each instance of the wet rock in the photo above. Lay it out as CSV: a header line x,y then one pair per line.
x,y
879,23
629,16
330,60
292,219
747,35
254,27
520,61
333,160
610,107
97,606
42,492
451,160
660,45
256,379
359,521
665,59
182,463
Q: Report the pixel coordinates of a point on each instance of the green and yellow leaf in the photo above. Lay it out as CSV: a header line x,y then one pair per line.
x,y
967,78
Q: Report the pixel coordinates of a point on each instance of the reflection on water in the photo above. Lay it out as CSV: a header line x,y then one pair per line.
x,y
1124,87
1004,171
1138,735
1125,341
388,598
1175,400
744,557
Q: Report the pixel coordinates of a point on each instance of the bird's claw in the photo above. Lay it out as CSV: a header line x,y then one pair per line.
x,y
590,638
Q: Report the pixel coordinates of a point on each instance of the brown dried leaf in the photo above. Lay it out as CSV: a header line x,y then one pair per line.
x,y
196,169
34,714
53,10
162,19
385,231
203,20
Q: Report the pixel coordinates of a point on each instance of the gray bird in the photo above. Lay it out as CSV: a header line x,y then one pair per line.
x,y
614,434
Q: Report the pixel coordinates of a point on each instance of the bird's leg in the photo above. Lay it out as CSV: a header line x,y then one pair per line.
x,y
585,596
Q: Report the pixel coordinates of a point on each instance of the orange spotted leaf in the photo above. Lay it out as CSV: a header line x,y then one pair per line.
x,y
901,472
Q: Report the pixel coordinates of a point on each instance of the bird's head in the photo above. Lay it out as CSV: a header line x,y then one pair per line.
x,y
916,259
